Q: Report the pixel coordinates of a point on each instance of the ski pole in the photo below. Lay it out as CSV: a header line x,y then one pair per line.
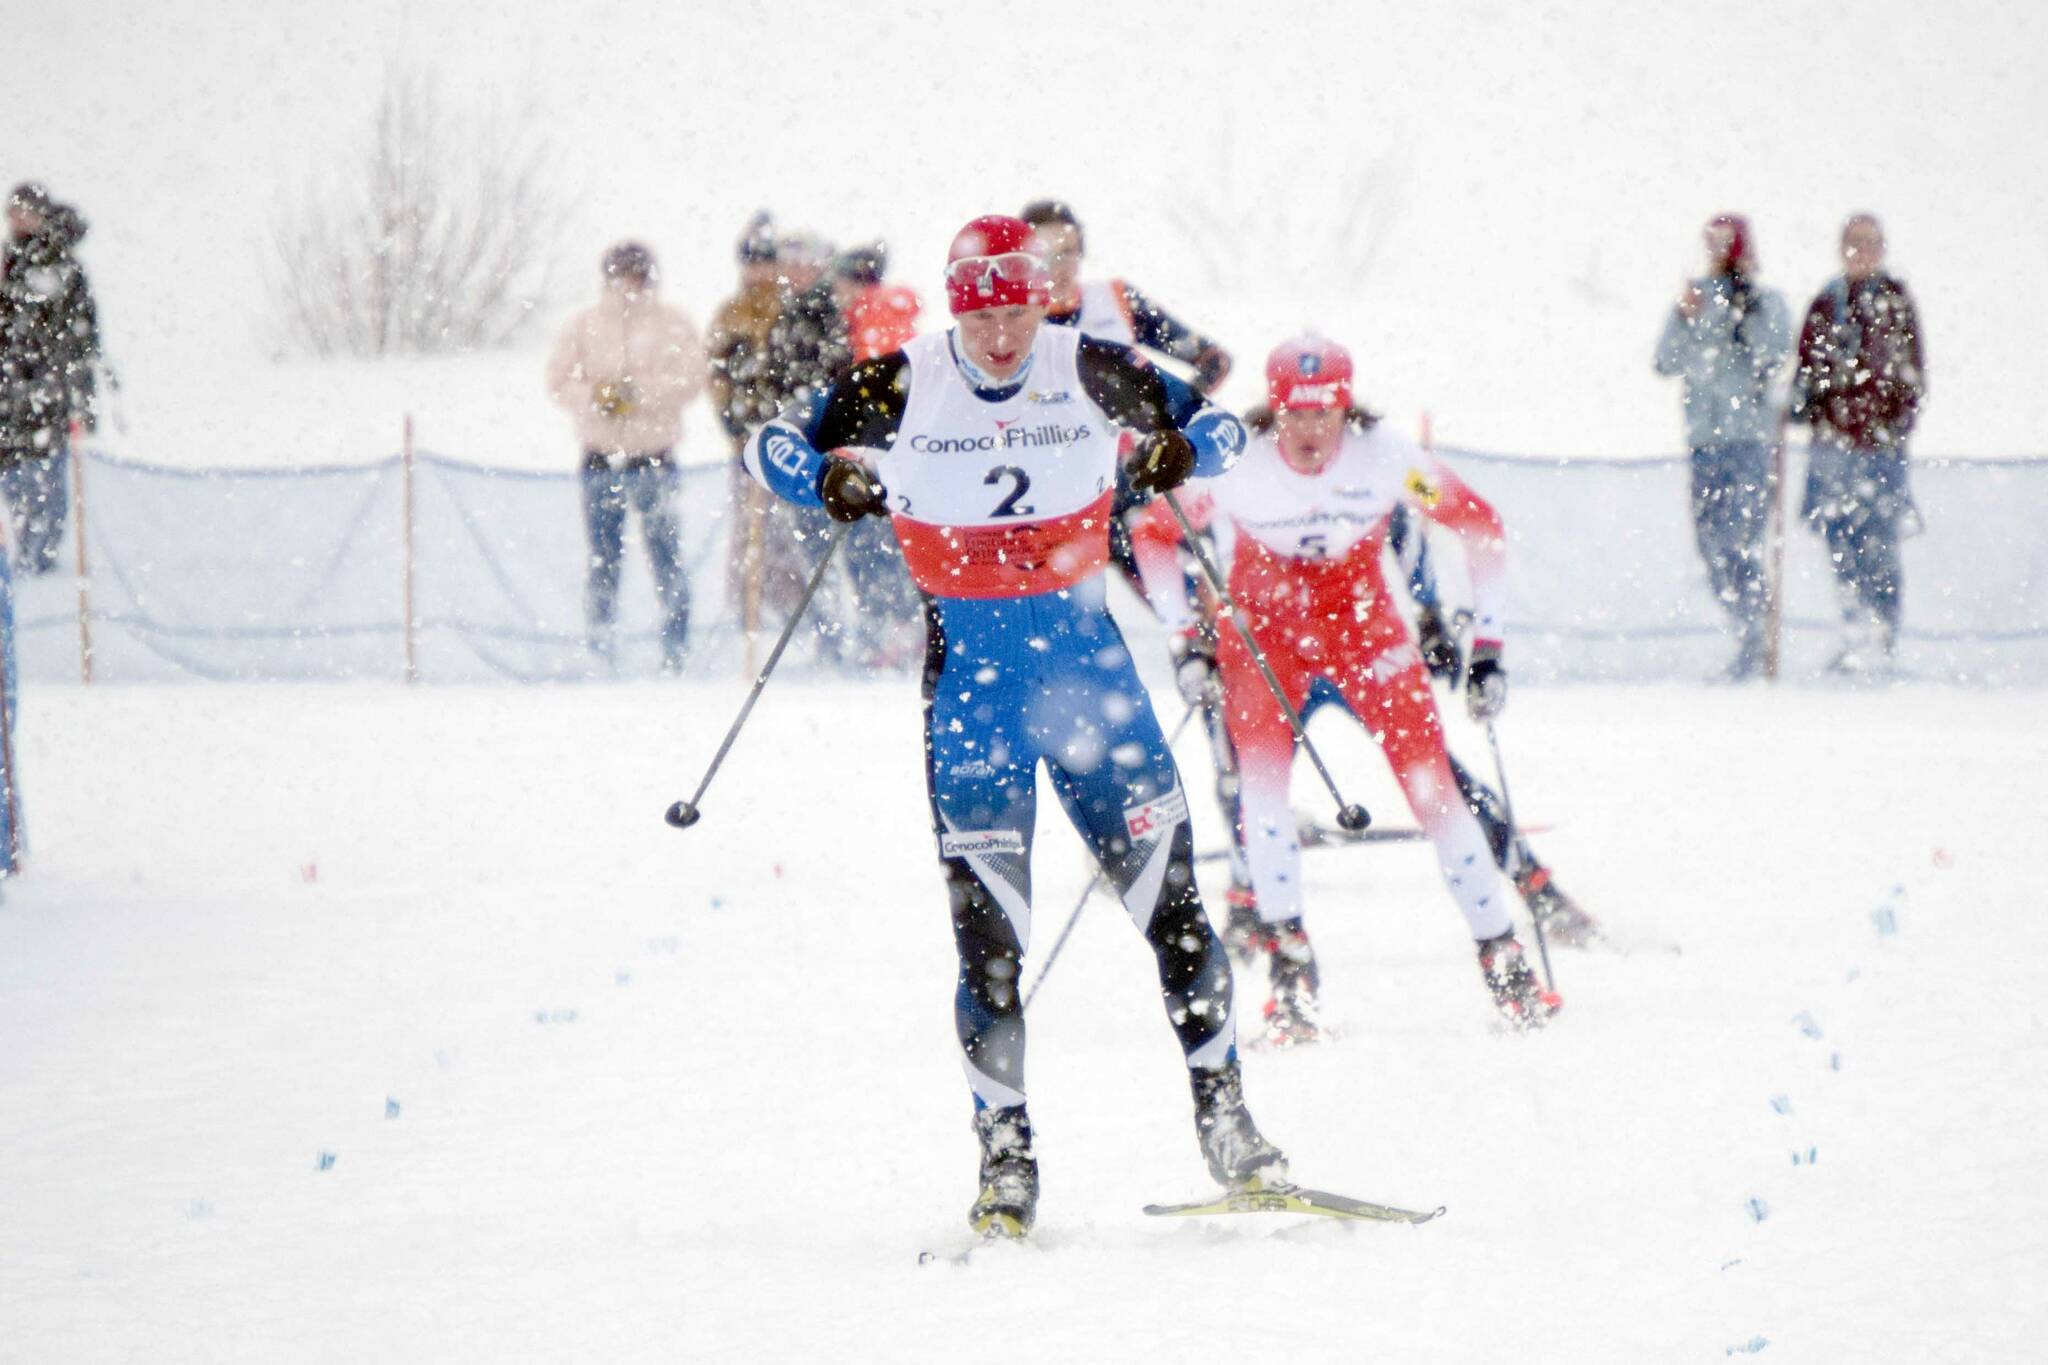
x,y
1507,808
1349,815
684,814
1086,892
1462,623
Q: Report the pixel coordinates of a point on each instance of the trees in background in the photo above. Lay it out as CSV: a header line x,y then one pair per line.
x,y
439,237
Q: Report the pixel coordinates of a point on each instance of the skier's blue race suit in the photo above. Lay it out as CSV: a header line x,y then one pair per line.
x,y
1000,498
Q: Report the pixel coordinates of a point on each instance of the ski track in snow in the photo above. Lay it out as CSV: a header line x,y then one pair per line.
x,y
586,1088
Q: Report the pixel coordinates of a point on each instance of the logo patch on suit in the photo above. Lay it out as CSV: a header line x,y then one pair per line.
x,y
1149,818
1425,491
960,843
783,453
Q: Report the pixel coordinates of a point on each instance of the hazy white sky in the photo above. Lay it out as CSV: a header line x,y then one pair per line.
x,y
1540,175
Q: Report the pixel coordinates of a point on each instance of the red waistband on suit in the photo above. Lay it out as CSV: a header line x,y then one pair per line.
x,y
1011,560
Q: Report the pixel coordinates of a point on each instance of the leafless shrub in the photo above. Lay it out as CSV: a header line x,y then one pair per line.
x,y
1298,223
440,238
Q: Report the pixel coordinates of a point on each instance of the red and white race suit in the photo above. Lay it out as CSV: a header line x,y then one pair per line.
x,y
1305,572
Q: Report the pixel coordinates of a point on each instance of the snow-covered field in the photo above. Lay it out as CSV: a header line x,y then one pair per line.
x,y
354,1023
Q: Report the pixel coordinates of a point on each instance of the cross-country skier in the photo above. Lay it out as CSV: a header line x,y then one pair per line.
x,y
994,453
1115,310
1562,921
1308,506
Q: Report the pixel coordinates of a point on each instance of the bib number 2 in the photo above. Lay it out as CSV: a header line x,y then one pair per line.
x,y
1012,504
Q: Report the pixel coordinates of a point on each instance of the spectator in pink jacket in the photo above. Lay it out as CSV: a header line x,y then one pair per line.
x,y
625,369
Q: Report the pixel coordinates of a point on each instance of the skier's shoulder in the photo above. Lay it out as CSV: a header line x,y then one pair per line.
x,y
1099,355
870,397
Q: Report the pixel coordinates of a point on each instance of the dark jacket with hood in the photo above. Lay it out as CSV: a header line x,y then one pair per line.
x,y
49,335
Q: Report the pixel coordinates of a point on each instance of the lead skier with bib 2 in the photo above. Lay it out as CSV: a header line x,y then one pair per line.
x,y
994,450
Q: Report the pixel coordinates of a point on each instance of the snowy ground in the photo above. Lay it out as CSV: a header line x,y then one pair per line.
x,y
588,1089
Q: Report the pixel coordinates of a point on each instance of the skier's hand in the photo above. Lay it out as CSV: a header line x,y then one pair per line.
x,y
1212,367
1486,682
850,492
1162,462
1194,667
1439,647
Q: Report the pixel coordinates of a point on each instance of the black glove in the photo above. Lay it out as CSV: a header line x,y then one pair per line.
x,y
1439,647
1486,683
1162,462
850,492
1194,667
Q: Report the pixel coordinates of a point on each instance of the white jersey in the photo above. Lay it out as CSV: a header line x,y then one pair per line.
x,y
1106,313
1316,516
1003,498
1340,514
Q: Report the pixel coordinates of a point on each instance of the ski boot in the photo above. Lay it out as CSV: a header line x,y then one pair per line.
x,y
1008,1203
1517,994
1243,935
1239,1156
1564,923
1291,1013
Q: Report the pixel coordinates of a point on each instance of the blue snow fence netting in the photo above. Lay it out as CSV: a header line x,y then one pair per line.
x,y
12,838
300,573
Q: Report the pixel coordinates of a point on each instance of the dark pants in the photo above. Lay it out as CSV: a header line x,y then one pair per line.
x,y
1857,499
36,484
1730,512
644,483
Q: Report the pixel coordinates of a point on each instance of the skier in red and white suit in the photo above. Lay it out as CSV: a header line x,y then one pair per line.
x,y
1307,509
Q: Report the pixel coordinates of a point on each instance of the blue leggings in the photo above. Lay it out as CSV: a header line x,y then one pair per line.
x,y
1013,682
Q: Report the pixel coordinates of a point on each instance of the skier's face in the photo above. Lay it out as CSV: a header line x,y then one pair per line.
x,y
997,340
1309,437
1060,245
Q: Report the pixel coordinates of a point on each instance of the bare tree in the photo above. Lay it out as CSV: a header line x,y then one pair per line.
x,y
1301,223
440,239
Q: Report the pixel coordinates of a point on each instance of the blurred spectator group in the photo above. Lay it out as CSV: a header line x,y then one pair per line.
x,y
1858,382
802,316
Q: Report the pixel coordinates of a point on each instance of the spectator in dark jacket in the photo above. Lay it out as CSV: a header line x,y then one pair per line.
x,y
808,350
1861,380
807,347
49,341
1728,336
